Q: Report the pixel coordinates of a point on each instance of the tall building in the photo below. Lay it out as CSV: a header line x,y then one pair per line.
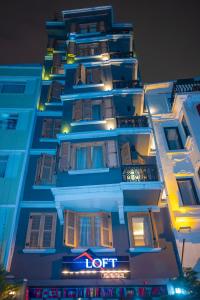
x,y
175,111
92,221
19,94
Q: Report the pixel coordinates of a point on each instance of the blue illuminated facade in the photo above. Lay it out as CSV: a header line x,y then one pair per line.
x,y
93,182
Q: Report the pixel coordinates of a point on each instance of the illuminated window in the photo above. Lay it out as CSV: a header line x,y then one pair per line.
x,y
188,191
3,165
88,229
41,231
8,121
173,138
12,87
142,231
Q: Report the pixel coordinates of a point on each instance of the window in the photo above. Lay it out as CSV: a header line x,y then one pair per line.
x,y
90,157
173,138
93,75
51,127
88,27
88,229
45,171
8,121
187,191
54,92
185,126
92,109
198,108
142,231
199,172
88,49
3,165
41,231
12,88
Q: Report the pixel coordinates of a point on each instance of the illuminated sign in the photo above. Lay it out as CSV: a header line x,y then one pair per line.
x,y
88,264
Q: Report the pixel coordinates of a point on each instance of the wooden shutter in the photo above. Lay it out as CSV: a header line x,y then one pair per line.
x,y
45,169
64,157
47,126
56,90
56,127
87,110
83,76
77,113
70,229
71,48
33,232
73,27
101,26
48,231
57,59
126,154
108,108
106,230
111,154
104,47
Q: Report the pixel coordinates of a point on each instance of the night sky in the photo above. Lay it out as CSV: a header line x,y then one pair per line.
x,y
167,32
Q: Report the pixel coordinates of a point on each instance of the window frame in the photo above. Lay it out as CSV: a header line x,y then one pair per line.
x,y
41,230
11,119
152,230
76,229
191,180
4,165
5,85
178,136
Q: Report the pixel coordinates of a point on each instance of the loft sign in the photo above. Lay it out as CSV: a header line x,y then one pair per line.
x,y
97,263
88,264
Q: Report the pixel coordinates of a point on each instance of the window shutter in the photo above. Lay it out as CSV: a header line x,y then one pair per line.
x,y
83,77
56,127
111,149
71,48
64,157
73,27
126,154
104,47
57,59
108,108
96,75
45,169
49,227
56,90
47,126
33,232
87,110
101,26
70,229
80,74
106,231
77,110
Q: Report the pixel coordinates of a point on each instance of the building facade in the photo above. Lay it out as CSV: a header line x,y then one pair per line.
x,y
19,94
175,112
92,222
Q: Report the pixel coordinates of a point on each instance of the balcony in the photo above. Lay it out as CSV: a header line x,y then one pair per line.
x,y
137,173
114,55
126,84
136,121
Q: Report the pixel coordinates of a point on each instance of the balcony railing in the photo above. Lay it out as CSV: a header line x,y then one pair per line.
x,y
121,84
121,55
136,173
136,121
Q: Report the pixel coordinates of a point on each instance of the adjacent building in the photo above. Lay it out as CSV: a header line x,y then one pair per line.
x,y
19,94
175,112
93,221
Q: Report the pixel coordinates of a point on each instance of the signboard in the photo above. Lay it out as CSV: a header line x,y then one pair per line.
x,y
87,264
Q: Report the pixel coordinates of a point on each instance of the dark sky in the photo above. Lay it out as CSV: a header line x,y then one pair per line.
x,y
167,32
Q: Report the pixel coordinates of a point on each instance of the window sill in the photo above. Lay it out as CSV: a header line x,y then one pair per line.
x,y
39,251
93,249
88,171
144,249
178,151
82,86
88,122
48,140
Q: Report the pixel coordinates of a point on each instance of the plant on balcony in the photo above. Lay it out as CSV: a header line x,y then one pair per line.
x,y
7,290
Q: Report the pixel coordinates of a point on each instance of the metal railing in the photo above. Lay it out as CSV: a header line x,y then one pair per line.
x,y
121,84
135,173
135,121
